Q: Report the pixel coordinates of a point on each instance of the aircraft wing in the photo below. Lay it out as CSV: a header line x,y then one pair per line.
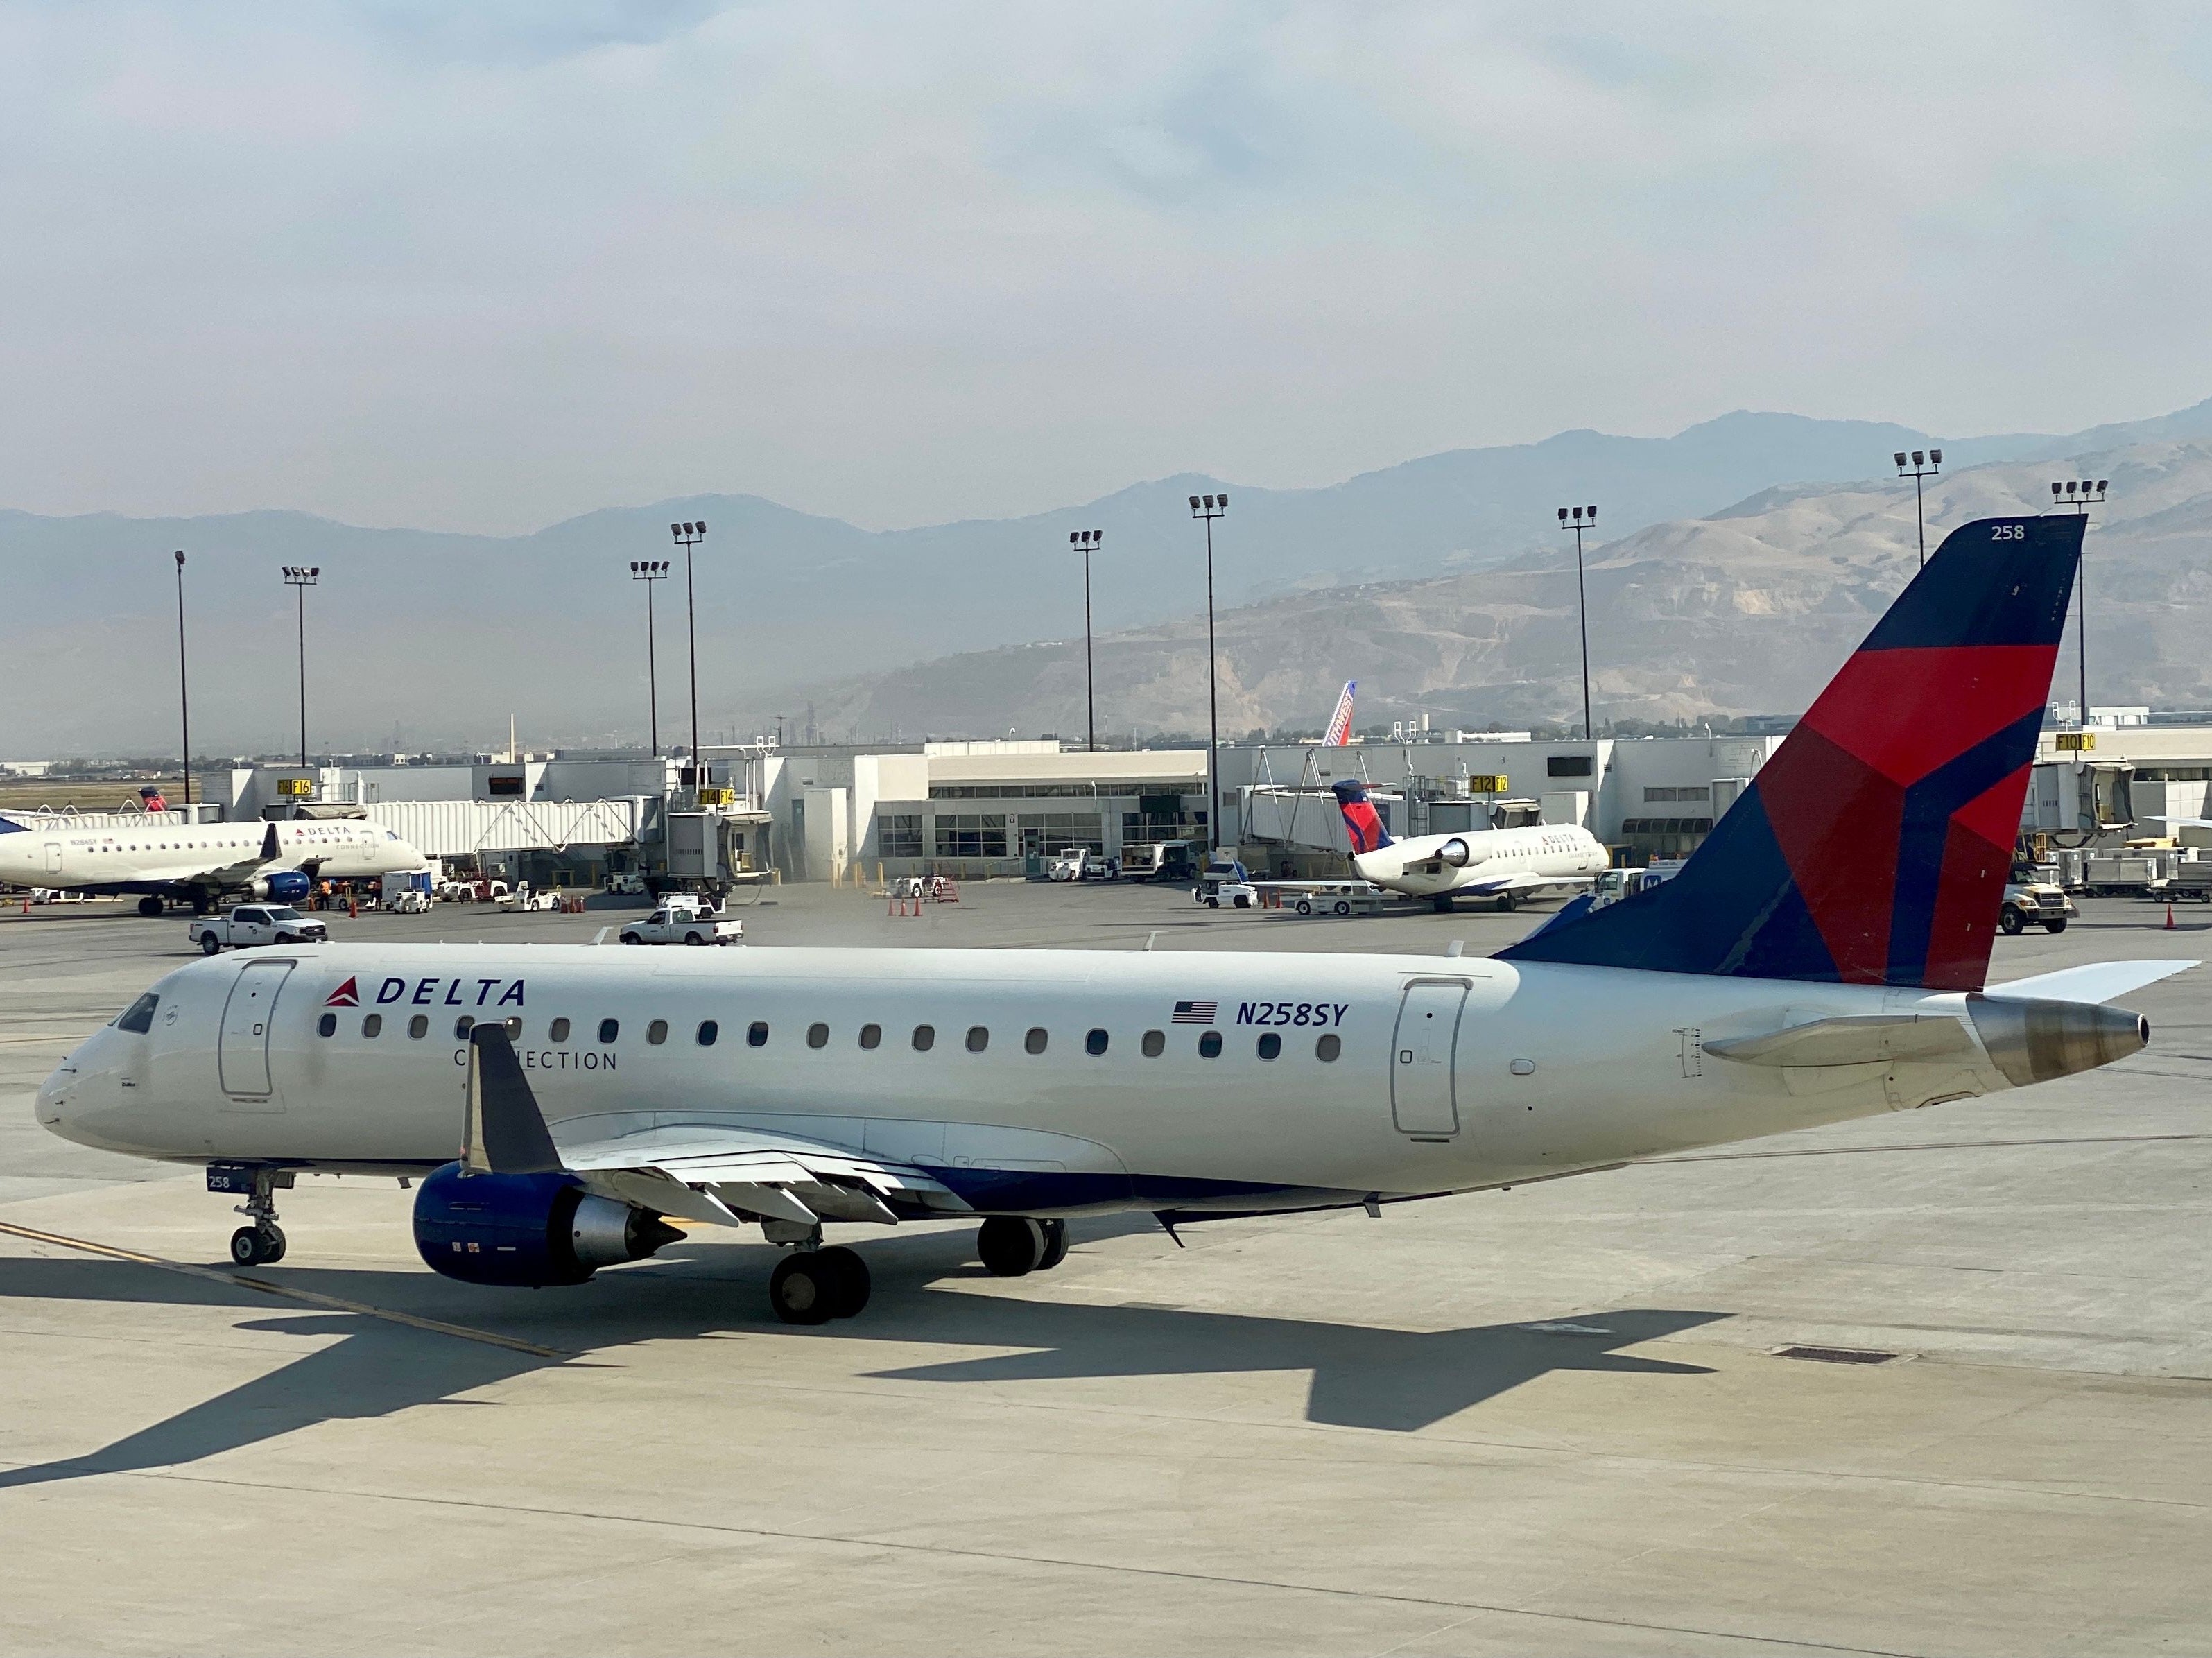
x,y
730,1175
1525,882
724,1175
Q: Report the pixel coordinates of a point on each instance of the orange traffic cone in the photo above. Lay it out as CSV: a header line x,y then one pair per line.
x,y
2169,918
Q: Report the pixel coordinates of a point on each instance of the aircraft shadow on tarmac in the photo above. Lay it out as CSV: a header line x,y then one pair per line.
x,y
1363,1376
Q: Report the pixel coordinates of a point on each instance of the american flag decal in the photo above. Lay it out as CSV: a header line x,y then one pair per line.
x,y
1195,1012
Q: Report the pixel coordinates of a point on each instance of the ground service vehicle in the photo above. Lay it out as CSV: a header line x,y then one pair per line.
x,y
2035,903
1226,880
257,923
1161,861
673,924
1081,864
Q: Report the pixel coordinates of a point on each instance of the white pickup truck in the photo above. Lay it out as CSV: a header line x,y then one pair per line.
x,y
257,923
683,925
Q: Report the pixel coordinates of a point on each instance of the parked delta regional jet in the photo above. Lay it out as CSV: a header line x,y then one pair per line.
x,y
1821,958
170,860
1506,865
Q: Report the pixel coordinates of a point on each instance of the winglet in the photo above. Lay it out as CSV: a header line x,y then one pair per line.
x,y
506,1131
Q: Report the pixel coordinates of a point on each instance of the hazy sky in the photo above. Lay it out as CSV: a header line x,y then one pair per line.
x,y
907,262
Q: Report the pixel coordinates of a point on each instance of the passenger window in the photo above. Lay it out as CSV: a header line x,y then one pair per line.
x,y
557,1031
925,1038
708,1031
1270,1046
514,1031
817,1036
327,1025
1095,1043
870,1035
1209,1045
138,1017
1036,1041
371,1025
462,1026
979,1038
1155,1044
657,1032
419,1026
1328,1047
609,1030
756,1033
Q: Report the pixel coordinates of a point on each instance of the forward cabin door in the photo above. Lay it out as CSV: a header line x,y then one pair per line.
x,y
248,1019
1421,1095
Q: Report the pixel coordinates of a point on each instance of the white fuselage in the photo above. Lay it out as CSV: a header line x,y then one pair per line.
x,y
155,850
1431,864
1449,1073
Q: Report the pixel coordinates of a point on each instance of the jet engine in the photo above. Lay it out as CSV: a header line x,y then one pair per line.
x,y
286,886
527,1230
1457,853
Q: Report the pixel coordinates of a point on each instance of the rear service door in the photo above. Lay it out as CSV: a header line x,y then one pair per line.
x,y
53,858
1421,1097
248,1019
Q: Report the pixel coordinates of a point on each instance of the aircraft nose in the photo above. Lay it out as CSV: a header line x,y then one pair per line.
x,y
53,1095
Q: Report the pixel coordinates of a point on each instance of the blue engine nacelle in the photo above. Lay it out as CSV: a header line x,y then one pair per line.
x,y
527,1230
286,886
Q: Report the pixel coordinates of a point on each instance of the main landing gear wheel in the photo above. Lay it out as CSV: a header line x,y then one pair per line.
x,y
1506,902
257,1246
200,905
812,1286
1013,1245
1441,903
150,906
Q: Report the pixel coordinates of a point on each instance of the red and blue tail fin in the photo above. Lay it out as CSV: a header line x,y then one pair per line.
x,y
1361,821
1872,848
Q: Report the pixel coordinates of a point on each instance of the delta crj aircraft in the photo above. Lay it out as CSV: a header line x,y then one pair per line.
x,y
1506,865
170,860
1821,956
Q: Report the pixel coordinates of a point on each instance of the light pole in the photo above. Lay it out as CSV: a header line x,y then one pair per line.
x,y
1209,507
183,690
1086,541
688,536
2079,496
302,577
1924,466
1579,518
649,571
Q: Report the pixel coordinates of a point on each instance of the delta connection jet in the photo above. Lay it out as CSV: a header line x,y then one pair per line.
x,y
171,861
1821,956
1504,865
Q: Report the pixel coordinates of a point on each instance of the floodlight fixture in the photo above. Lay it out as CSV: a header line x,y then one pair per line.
x,y
1579,518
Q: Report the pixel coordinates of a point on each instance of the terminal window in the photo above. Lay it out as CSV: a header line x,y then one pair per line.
x,y
978,834
1700,792
899,837
1062,831
1567,765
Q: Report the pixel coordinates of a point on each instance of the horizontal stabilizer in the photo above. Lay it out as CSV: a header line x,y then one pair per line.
x,y
1853,1039
2096,981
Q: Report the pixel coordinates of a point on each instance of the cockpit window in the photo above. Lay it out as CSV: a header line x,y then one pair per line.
x,y
138,1017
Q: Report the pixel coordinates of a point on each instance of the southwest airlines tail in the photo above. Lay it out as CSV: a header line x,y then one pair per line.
x,y
1872,848
1339,722
1361,820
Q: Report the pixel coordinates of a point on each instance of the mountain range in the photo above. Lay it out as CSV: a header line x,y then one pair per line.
x,y
1436,581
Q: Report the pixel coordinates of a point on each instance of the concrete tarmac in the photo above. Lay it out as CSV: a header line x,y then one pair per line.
x,y
1547,1420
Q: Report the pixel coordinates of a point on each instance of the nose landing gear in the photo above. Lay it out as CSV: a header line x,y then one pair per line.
x,y
261,1243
